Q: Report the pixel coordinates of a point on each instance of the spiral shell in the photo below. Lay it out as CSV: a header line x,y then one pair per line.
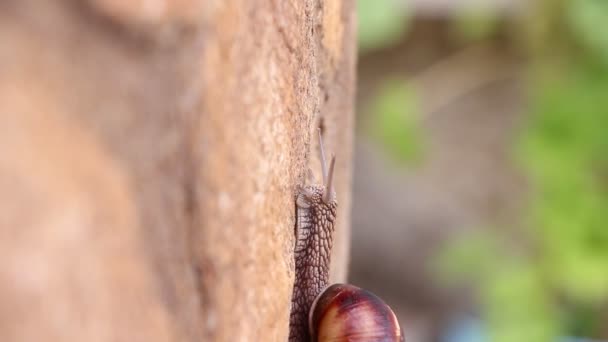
x,y
343,312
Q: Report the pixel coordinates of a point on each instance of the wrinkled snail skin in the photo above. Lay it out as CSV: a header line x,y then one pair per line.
x,y
339,312
315,225
316,207
344,312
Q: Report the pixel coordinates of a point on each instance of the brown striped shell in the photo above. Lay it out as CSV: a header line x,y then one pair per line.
x,y
343,312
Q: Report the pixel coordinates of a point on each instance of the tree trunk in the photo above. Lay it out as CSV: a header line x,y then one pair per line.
x,y
150,152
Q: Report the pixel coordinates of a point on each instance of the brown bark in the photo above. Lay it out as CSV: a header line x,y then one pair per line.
x,y
149,157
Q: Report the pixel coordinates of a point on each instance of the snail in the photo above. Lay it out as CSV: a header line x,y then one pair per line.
x,y
343,312
339,312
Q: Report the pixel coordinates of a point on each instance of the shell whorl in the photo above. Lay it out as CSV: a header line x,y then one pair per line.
x,y
343,312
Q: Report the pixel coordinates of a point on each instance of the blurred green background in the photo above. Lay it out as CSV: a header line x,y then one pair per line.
x,y
482,137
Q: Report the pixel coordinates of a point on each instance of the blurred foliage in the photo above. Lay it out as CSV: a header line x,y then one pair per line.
x,y
475,23
381,22
548,278
395,123
587,19
558,284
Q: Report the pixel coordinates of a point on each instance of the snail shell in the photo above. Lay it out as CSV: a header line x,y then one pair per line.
x,y
344,312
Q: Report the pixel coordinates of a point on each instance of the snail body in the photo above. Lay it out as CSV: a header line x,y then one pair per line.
x,y
339,312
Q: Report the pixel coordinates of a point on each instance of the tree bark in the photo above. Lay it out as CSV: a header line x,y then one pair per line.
x,y
150,153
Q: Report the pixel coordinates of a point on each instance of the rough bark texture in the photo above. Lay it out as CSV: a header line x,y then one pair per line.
x,y
149,156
